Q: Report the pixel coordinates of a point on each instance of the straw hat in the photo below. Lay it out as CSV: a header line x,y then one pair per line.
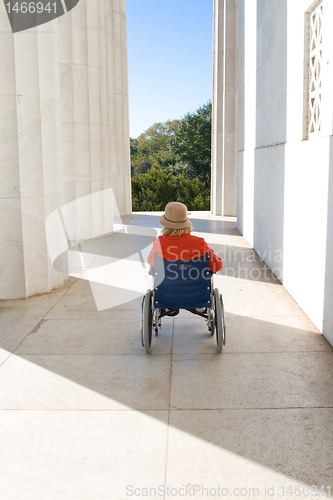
x,y
175,216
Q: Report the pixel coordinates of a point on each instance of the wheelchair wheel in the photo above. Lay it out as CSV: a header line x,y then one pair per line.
x,y
147,321
211,322
141,320
223,319
219,322
156,321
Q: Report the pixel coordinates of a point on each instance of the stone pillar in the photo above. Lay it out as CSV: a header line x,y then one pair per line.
x,y
64,139
225,104
95,125
31,174
118,110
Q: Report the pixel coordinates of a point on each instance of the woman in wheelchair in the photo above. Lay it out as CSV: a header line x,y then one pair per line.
x,y
177,243
182,265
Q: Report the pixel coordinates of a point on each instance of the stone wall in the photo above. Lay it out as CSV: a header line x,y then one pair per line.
x,y
284,200
64,136
224,113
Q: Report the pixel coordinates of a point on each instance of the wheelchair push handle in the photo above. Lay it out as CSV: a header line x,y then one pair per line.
x,y
151,271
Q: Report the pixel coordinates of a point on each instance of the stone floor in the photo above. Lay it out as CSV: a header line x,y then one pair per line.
x,y
86,414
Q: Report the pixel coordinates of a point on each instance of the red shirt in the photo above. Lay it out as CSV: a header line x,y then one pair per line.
x,y
184,247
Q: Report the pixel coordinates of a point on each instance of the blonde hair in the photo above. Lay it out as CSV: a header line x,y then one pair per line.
x,y
168,231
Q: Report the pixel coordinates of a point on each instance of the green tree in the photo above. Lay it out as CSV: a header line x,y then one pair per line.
x,y
150,144
171,161
193,193
189,148
154,189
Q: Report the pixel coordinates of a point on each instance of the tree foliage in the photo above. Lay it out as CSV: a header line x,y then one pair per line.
x,y
151,144
154,189
171,162
189,148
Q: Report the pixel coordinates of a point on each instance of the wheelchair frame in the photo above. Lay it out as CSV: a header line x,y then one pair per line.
x,y
151,317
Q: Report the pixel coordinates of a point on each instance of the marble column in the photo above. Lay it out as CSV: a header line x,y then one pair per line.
x,y
95,125
64,139
225,104
31,185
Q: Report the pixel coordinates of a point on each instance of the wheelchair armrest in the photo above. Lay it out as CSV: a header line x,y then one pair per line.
x,y
151,271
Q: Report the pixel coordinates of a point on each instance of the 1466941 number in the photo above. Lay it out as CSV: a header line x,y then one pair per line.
x,y
32,7
305,491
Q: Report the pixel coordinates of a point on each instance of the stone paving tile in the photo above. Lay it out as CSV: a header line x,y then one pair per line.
x,y
56,455
279,334
66,382
226,241
236,284
84,307
260,304
94,246
252,380
114,336
45,300
82,287
15,324
251,449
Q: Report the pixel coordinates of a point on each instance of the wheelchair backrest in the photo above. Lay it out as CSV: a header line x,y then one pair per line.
x,y
182,284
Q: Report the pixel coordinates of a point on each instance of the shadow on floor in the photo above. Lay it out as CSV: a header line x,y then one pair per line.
x,y
241,262
266,398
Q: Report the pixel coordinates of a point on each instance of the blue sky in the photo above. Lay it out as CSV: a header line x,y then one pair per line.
x,y
169,59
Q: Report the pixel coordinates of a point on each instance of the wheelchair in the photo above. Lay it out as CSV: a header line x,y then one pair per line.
x,y
182,284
